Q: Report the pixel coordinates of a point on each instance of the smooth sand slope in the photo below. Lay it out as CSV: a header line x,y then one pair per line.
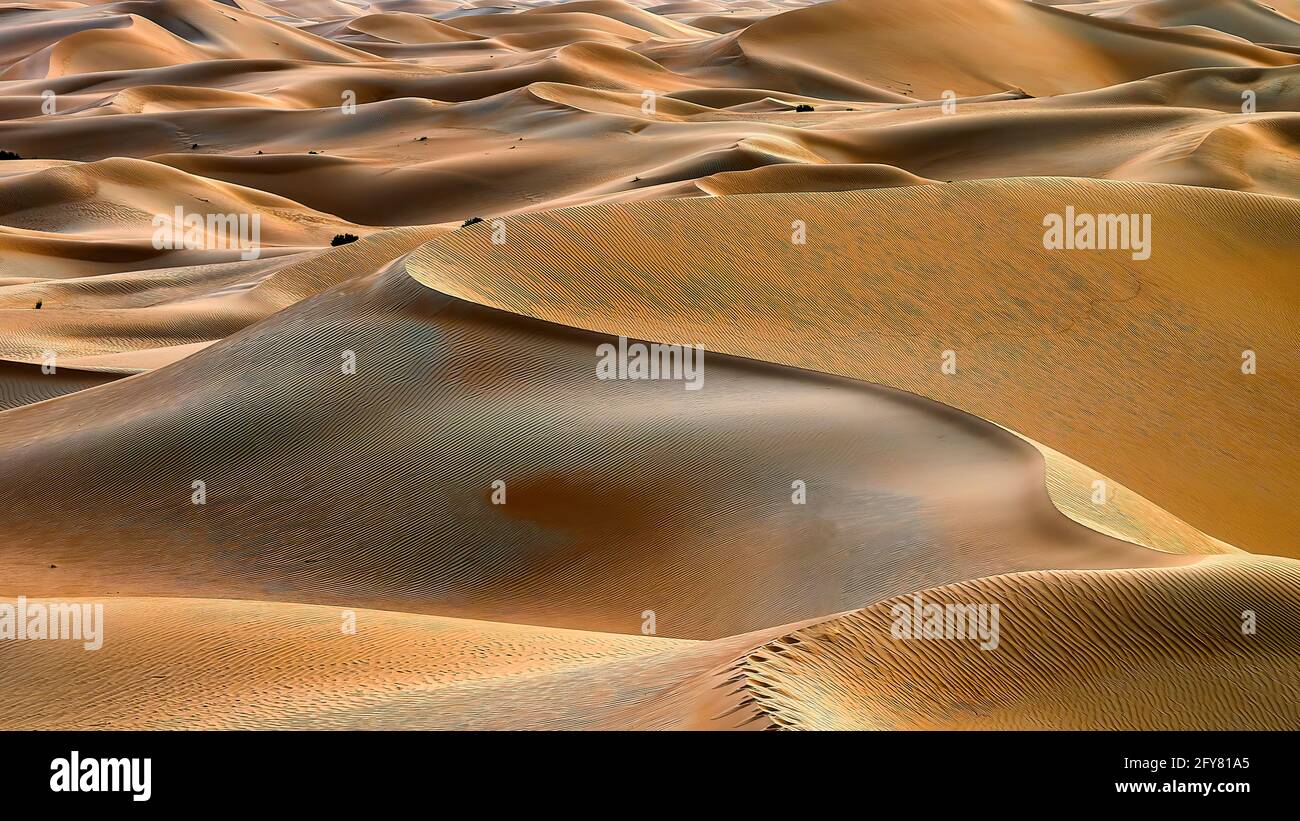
x,y
848,46
273,665
1125,650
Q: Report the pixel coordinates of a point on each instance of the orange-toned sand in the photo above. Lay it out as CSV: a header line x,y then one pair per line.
x,y
906,395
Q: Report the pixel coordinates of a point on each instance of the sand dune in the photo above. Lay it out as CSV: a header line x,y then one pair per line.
x,y
404,27
791,177
389,413
1039,353
1143,649
128,194
1119,650
643,19
1255,22
1041,50
23,383
108,315
569,548
305,665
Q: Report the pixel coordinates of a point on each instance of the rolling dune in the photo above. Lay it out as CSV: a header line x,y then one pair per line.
x,y
1134,656
721,549
1123,650
852,49
184,306
1037,354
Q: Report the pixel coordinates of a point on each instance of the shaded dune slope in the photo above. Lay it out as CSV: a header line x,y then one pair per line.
x,y
375,487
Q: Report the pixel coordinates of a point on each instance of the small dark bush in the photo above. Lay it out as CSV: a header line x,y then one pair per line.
x,y
344,239
803,107
39,303
9,155
471,221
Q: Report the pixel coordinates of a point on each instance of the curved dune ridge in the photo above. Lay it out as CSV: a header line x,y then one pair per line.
x,y
881,289
1042,50
1122,650
375,487
364,470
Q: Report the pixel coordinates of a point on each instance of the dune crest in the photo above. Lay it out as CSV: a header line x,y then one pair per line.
x,y
1033,368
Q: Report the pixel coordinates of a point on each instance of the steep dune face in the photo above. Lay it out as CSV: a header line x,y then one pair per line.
x,y
1039,49
1256,22
370,475
23,383
1033,352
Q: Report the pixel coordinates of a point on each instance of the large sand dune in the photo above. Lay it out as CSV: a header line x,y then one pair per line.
x,y
368,477
883,287
1125,650
398,516
1085,657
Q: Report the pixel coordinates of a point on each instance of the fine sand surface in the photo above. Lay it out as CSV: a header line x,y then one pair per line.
x,y
880,290
360,472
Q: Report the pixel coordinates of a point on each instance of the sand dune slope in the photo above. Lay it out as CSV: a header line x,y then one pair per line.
x,y
1041,50
1040,337
293,661
1123,649
394,466
1256,22
1114,650
94,316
